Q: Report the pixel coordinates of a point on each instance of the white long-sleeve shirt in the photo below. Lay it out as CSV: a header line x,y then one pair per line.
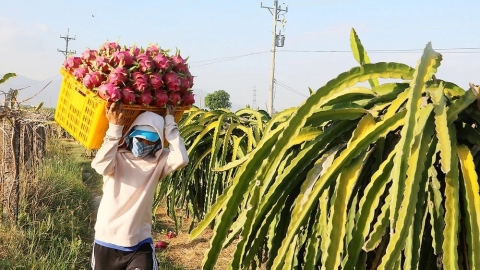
x,y
124,216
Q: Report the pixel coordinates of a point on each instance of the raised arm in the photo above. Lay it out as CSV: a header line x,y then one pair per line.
x,y
177,157
104,161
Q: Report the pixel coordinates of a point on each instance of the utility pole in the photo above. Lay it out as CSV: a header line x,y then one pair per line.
x,y
254,105
67,39
277,41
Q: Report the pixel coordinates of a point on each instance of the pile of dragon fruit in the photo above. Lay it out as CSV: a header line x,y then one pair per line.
x,y
133,75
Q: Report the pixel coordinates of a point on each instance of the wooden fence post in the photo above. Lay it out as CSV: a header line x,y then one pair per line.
x,y
10,169
39,143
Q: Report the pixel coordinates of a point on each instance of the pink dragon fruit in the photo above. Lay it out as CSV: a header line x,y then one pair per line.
x,y
145,98
152,50
93,79
101,64
160,97
72,62
109,92
172,81
162,62
184,84
155,81
145,63
122,58
134,50
107,48
128,95
80,72
118,76
189,76
89,55
174,98
140,81
188,99
179,64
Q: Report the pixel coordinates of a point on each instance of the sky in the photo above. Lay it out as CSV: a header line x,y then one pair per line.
x,y
228,42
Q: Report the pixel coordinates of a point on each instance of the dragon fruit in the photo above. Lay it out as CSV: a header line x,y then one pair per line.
x,y
172,81
134,75
184,84
101,64
107,48
140,81
161,245
72,62
145,98
155,81
122,58
128,95
89,55
109,92
160,97
162,62
118,76
145,63
134,50
152,50
188,99
93,79
179,64
174,98
80,72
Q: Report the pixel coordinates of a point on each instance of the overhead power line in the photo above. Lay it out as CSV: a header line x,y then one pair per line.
x,y
218,60
290,88
465,50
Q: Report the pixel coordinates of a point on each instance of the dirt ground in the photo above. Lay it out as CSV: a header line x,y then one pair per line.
x,y
185,253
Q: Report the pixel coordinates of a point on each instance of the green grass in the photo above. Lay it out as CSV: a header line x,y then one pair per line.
x,y
56,219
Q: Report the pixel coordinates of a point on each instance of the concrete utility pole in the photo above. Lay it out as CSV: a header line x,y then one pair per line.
x,y
277,41
67,39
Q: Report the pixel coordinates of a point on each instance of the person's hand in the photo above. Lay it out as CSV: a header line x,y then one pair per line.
x,y
114,114
170,109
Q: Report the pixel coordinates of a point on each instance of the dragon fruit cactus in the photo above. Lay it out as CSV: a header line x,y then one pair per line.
x,y
128,95
122,58
93,79
145,98
140,81
118,76
160,98
156,81
172,81
109,92
188,99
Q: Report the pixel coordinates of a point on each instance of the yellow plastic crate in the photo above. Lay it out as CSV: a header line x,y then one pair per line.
x,y
81,112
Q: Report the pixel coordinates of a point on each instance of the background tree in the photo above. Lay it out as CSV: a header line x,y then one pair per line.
x,y
218,99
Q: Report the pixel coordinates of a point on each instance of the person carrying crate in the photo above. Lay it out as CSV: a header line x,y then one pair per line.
x,y
131,171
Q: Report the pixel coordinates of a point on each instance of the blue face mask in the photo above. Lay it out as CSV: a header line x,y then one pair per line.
x,y
140,149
